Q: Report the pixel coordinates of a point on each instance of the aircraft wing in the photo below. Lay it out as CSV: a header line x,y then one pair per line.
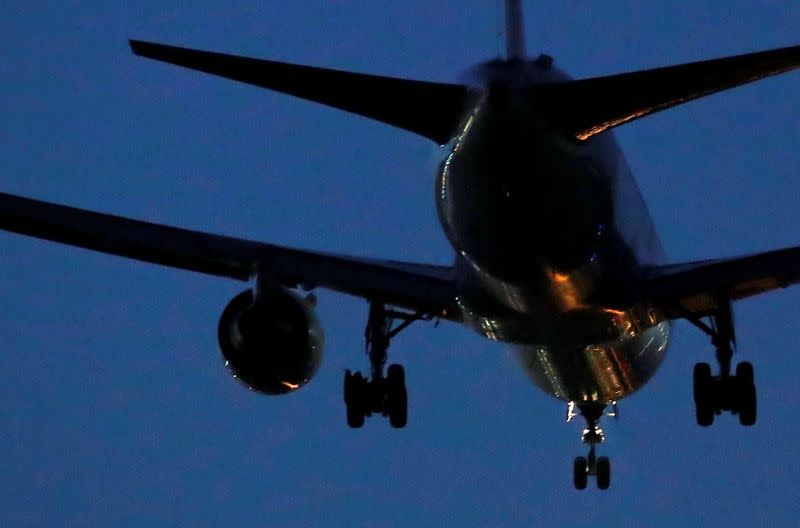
x,y
421,287
694,288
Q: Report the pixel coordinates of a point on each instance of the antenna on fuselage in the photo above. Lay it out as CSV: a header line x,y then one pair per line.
x,y
515,30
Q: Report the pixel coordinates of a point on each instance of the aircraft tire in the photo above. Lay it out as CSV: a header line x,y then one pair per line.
x,y
580,473
396,375
398,415
603,473
747,404
355,417
744,373
354,399
702,382
397,396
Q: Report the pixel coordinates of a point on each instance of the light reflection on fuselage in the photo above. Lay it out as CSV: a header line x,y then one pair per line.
x,y
544,228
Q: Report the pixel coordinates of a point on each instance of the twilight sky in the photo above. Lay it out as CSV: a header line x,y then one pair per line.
x,y
115,407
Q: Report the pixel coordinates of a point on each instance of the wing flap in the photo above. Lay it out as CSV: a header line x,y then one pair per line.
x,y
697,287
415,286
432,110
587,107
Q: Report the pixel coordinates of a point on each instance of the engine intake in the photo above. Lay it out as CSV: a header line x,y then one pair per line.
x,y
272,344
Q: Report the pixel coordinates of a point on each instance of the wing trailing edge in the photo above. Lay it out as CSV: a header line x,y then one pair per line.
x,y
697,287
410,285
429,109
587,107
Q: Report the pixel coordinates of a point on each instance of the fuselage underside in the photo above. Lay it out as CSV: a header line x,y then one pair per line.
x,y
550,235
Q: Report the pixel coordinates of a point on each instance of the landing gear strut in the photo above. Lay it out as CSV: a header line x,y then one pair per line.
x,y
599,467
733,392
380,394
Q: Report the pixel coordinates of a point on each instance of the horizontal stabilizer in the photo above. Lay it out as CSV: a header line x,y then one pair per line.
x,y
432,110
588,107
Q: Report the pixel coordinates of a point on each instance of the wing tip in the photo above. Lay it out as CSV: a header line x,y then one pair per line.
x,y
143,48
137,46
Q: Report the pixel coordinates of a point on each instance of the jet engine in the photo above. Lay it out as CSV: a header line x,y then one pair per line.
x,y
272,343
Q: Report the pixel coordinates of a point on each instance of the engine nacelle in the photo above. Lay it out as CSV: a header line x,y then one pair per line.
x,y
272,344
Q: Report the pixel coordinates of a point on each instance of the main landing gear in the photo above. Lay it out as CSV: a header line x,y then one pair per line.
x,y
380,394
733,392
592,465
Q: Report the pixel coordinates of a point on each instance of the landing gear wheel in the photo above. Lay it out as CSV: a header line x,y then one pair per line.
x,y
703,401
355,418
747,411
580,472
746,394
396,396
744,373
603,473
727,391
354,394
396,375
379,393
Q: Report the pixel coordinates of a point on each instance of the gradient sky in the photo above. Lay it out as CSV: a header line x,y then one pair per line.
x,y
115,407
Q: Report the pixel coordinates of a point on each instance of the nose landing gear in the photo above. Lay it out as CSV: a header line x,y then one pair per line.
x,y
592,465
380,394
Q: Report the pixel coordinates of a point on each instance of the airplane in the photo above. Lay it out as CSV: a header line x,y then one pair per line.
x,y
555,252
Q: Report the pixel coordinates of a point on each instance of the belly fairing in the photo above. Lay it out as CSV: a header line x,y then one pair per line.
x,y
584,353
602,372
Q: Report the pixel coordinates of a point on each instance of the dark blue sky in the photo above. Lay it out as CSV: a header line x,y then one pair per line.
x,y
116,410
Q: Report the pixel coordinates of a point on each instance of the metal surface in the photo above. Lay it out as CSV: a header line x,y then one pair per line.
x,y
556,252
548,231
515,30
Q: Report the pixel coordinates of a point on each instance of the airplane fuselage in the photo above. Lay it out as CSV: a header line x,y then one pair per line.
x,y
550,236
556,253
